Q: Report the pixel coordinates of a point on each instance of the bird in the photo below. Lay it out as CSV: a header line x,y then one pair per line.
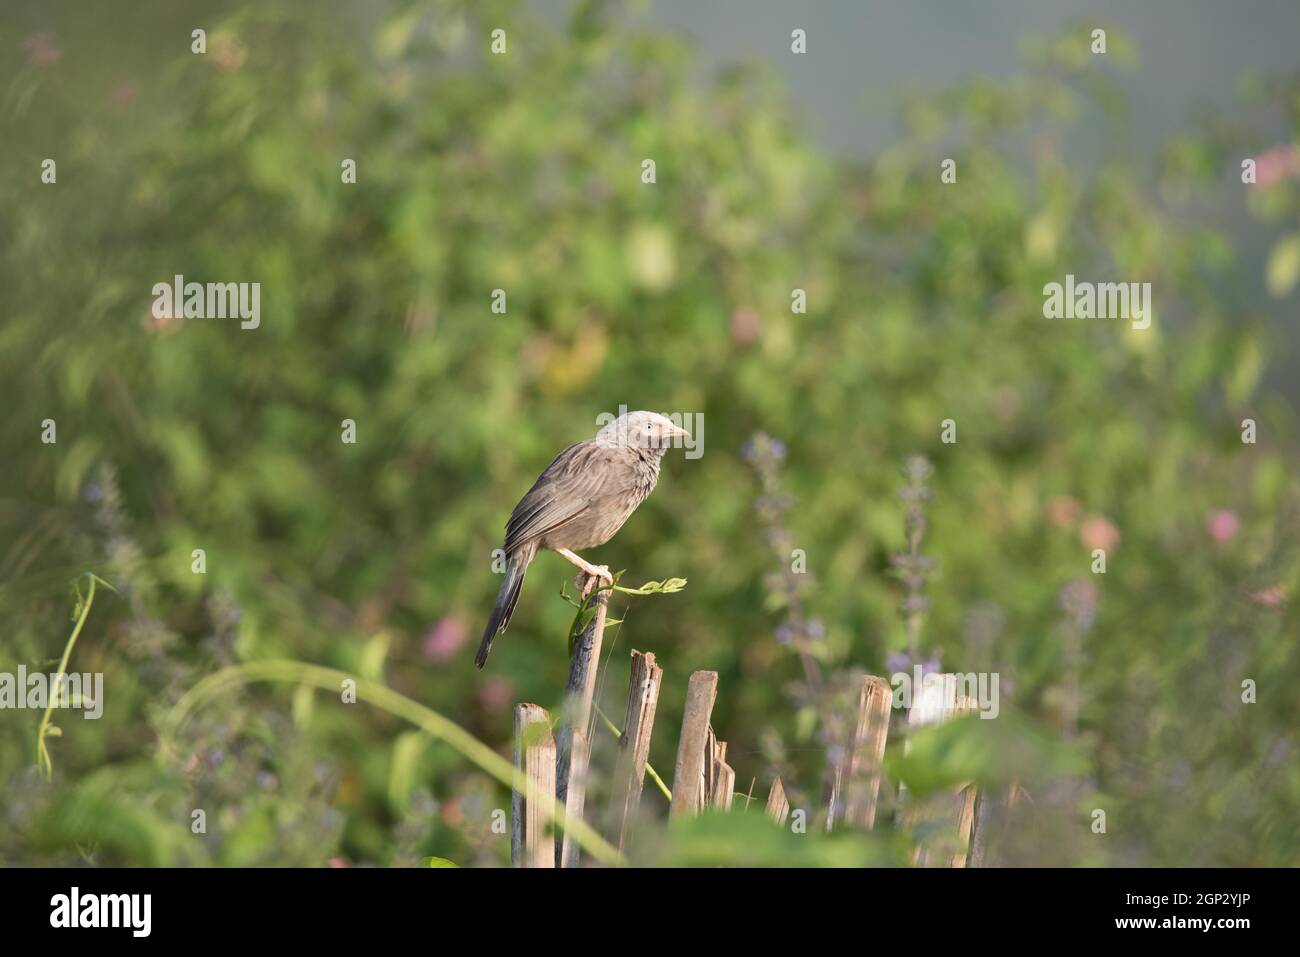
x,y
580,501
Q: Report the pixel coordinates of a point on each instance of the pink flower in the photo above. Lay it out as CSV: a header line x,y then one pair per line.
x,y
445,639
1277,164
42,50
1006,404
166,325
227,52
497,694
1098,532
1270,597
124,94
453,815
1222,526
746,325
1063,511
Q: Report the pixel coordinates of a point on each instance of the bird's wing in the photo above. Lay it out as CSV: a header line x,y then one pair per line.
x,y
561,493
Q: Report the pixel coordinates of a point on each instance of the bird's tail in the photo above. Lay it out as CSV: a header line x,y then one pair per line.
x,y
507,598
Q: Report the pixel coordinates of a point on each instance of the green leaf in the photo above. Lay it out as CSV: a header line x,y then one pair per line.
x,y
373,653
666,587
394,37
1245,371
991,752
405,767
1284,266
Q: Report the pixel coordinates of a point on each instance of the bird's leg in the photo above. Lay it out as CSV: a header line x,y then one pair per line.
x,y
594,572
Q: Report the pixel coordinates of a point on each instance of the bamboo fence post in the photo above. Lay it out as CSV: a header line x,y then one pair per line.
x,y
721,777
964,807
867,753
831,794
634,743
993,816
932,703
688,773
581,688
710,776
778,805
532,843
937,702
575,795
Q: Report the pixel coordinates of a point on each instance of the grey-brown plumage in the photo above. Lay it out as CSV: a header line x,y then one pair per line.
x,y
580,501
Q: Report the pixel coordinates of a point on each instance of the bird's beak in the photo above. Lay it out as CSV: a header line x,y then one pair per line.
x,y
678,430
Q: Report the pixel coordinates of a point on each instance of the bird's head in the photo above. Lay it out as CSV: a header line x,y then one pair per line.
x,y
642,430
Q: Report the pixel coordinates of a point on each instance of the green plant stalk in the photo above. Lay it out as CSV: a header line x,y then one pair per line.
x,y
45,729
654,775
586,610
386,699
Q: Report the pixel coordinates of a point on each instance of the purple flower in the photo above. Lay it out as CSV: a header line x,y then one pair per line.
x,y
763,451
1079,599
902,661
899,661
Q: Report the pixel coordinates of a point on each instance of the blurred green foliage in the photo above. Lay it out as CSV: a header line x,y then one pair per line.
x,y
522,172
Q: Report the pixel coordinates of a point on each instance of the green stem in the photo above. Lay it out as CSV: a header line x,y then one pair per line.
x,y
654,775
386,699
43,761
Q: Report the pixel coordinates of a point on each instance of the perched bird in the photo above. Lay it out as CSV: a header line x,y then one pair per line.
x,y
580,501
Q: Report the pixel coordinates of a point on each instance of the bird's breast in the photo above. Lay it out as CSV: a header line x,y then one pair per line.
x,y
608,513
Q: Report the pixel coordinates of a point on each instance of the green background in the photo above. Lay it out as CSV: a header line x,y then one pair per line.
x,y
523,172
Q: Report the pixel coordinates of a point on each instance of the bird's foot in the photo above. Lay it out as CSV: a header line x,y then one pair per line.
x,y
588,578
590,574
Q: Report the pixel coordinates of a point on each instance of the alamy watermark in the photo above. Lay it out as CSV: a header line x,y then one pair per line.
x,y
75,909
1104,300
39,691
179,299
692,424
981,689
